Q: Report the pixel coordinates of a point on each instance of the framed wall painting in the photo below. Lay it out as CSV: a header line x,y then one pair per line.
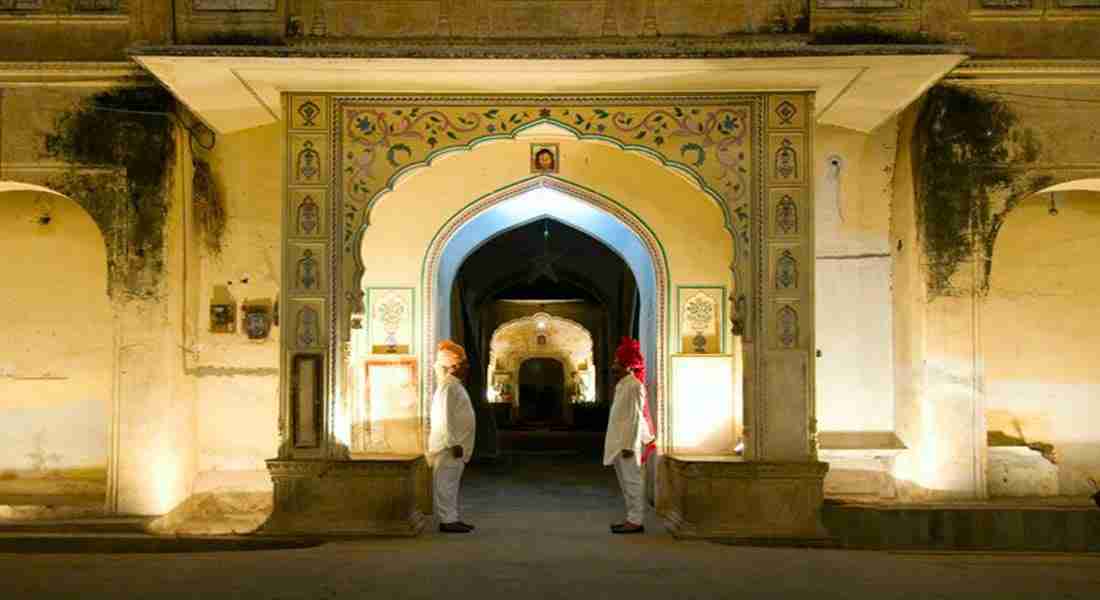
x,y
700,313
390,320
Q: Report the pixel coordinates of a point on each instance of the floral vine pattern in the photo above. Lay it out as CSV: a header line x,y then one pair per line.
x,y
379,141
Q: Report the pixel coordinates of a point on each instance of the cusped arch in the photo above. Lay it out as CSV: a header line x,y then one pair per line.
x,y
655,342
686,170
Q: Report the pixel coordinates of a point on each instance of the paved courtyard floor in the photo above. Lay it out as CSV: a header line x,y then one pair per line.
x,y
542,533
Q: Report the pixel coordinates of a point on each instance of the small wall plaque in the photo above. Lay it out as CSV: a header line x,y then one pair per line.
x,y
256,321
223,318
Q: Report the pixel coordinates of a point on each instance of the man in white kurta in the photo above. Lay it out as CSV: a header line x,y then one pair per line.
x,y
629,436
451,439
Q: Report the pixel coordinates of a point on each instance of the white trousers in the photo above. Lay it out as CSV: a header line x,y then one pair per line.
x,y
445,479
630,481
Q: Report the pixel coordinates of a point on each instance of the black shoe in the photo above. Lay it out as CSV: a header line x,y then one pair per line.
x,y
628,528
455,527
615,526
466,525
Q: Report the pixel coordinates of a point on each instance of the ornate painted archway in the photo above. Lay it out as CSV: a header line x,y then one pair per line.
x,y
747,153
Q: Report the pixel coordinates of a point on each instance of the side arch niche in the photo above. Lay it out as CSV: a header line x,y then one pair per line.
x,y
1039,388
56,370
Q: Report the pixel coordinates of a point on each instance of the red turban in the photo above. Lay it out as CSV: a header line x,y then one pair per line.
x,y
629,355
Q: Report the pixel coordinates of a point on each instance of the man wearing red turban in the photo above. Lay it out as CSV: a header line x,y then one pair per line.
x,y
630,439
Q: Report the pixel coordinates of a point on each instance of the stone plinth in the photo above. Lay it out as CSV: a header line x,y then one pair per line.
x,y
728,498
375,496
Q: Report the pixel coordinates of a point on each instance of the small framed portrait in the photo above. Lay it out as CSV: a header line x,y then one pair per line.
x,y
223,318
544,158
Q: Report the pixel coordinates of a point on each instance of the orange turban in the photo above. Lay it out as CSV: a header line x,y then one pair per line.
x,y
449,354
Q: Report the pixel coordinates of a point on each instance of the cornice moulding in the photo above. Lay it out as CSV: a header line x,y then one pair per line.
x,y
1026,72
70,74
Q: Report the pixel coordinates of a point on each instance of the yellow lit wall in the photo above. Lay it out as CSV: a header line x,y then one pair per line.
x,y
708,417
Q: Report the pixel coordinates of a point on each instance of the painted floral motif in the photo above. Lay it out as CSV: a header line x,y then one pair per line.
x,y
786,323
309,216
309,111
380,141
308,165
306,274
786,216
786,161
390,313
786,272
786,111
699,312
308,327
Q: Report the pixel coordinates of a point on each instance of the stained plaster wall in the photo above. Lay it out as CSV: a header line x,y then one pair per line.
x,y
909,323
237,379
855,382
1002,361
682,218
150,449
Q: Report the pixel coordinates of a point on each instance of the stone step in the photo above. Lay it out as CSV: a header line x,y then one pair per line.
x,y
1045,529
126,543
99,525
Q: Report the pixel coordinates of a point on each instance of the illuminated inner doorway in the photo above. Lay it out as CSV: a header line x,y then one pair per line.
x,y
540,308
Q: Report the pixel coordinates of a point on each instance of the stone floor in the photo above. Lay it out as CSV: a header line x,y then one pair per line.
x,y
542,533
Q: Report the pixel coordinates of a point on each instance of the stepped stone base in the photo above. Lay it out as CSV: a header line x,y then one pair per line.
x,y
1037,528
376,496
734,500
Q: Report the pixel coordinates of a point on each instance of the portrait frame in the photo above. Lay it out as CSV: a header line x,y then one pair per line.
x,y
538,151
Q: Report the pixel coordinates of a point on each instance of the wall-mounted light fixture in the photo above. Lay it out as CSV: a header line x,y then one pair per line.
x,y
1053,210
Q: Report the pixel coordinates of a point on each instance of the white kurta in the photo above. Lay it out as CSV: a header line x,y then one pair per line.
x,y
627,428
452,424
452,419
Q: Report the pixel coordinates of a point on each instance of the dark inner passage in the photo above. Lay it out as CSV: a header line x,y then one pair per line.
x,y
543,267
541,391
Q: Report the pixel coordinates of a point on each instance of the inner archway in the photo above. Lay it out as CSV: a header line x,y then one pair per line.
x,y
577,270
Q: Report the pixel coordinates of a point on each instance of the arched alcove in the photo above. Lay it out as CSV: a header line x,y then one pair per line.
x,y
57,351
1038,339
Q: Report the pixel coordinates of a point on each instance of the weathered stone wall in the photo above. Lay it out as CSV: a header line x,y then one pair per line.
x,y
236,377
149,407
